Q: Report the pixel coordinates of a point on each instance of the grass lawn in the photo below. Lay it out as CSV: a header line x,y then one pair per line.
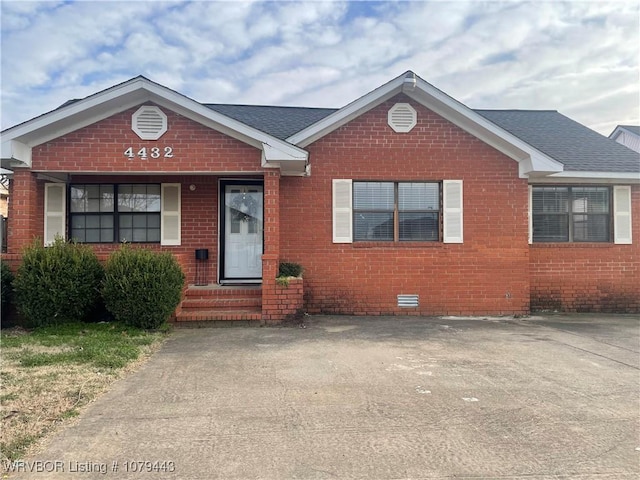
x,y
47,375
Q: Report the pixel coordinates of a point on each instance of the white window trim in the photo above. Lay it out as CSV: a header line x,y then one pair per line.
x,y
342,209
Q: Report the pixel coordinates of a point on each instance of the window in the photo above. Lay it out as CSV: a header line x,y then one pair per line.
x,y
396,211
571,214
115,213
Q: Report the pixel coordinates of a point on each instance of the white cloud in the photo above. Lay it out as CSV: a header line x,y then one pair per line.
x,y
580,58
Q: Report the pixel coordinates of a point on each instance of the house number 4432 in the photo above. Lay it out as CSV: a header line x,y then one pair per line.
x,y
153,152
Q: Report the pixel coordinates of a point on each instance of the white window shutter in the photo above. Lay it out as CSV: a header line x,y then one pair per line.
x,y
622,214
452,215
54,211
170,214
530,214
342,211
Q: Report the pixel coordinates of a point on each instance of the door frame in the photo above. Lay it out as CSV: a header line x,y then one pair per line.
x,y
222,184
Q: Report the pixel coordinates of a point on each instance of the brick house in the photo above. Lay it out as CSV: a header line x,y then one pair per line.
x,y
404,201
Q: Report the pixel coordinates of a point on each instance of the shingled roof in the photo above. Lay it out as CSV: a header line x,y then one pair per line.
x,y
577,147
281,122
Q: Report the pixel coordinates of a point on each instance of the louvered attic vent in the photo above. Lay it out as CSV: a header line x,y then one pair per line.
x,y
149,123
402,117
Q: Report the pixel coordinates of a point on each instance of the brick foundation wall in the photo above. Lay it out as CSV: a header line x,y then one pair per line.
x,y
488,274
588,277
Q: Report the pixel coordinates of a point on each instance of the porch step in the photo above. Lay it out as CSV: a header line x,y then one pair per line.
x,y
221,303
221,306
221,291
221,317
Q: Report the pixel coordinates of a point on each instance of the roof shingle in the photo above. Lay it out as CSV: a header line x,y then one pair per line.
x,y
577,147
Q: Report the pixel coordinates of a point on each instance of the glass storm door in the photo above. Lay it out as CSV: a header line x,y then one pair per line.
x,y
243,214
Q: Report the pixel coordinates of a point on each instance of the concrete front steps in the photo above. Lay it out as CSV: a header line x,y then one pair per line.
x,y
221,306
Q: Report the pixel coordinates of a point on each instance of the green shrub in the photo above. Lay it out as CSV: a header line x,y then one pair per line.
x,y
289,269
142,288
6,289
57,284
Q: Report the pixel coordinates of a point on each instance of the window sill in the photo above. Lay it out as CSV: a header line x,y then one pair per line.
x,y
574,245
397,244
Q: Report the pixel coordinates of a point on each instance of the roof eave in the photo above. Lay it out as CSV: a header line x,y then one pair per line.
x,y
573,176
288,163
530,159
347,113
18,141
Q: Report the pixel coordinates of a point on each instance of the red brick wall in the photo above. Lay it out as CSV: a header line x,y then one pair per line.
x,y
493,272
101,146
488,274
26,210
284,301
589,277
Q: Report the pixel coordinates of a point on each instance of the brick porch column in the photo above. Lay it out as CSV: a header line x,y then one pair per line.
x,y
26,210
271,255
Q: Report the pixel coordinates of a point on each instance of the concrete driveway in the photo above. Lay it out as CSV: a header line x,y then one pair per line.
x,y
376,398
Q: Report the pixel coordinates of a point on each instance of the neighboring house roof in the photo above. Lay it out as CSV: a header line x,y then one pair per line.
x,y
635,129
627,135
545,143
577,147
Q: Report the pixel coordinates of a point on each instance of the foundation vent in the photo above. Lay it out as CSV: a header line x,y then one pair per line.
x,y
407,301
149,123
402,117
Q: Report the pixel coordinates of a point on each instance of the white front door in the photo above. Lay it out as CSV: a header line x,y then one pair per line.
x,y
243,214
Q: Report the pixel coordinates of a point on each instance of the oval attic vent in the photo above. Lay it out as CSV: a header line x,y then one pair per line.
x,y
402,117
149,123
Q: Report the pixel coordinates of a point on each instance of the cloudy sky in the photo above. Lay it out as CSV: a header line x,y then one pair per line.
x,y
578,57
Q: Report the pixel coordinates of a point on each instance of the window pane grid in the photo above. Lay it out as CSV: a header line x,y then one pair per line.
x,y
396,211
571,214
106,213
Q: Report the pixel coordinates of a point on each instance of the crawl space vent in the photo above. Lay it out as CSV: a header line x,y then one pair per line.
x,y
149,123
402,117
407,301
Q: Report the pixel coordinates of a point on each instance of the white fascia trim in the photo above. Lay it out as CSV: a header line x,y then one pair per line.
x,y
620,130
210,118
67,119
445,106
129,94
347,113
16,154
616,132
483,129
273,157
588,177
